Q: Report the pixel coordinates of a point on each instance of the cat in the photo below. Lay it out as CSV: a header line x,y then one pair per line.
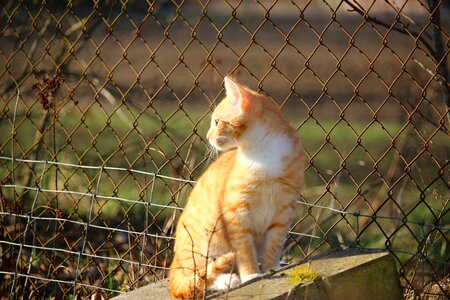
x,y
237,216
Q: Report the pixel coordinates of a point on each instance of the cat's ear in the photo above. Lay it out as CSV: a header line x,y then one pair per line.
x,y
238,95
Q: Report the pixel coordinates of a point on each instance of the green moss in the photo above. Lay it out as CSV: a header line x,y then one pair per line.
x,y
303,274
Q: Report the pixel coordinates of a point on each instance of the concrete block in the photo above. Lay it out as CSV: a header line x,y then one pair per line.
x,y
348,274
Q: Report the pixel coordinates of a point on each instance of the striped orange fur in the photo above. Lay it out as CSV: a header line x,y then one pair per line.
x,y
237,216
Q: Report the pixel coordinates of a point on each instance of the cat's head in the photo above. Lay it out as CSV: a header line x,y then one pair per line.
x,y
233,115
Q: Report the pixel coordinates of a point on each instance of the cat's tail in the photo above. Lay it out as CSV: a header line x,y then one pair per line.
x,y
185,284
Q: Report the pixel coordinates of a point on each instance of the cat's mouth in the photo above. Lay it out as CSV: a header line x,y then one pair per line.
x,y
223,143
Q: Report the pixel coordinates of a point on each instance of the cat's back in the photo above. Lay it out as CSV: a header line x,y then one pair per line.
x,y
218,172
223,164
211,185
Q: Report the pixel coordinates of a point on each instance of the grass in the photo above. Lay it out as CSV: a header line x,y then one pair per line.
x,y
169,145
341,157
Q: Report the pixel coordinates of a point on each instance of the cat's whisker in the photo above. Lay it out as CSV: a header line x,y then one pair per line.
x,y
213,153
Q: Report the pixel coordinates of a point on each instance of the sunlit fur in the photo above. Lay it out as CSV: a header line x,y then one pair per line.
x,y
237,216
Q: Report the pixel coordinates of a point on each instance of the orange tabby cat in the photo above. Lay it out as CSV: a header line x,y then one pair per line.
x,y
237,216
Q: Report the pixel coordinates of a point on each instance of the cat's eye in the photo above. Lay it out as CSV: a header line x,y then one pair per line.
x,y
216,122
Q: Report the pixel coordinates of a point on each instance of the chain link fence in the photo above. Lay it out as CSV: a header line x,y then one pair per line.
x,y
105,107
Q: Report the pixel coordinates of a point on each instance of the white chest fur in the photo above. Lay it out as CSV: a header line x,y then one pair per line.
x,y
264,152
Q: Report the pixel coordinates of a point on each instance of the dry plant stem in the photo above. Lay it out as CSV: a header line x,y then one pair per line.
x,y
169,227
38,143
108,96
436,76
38,140
193,256
207,257
399,10
426,118
112,100
13,129
44,122
393,167
390,175
432,235
316,224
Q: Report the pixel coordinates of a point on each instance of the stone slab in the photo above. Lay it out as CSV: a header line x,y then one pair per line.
x,y
347,274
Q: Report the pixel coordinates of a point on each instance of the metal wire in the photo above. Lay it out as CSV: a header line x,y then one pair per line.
x,y
105,108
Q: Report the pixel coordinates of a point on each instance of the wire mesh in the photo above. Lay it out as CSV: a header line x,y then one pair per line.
x,y
106,106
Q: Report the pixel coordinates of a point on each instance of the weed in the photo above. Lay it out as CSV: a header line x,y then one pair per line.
x,y
303,274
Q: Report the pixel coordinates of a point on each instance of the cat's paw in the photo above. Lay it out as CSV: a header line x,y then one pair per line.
x,y
249,277
225,282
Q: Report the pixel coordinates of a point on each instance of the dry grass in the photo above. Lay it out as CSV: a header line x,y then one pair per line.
x,y
354,90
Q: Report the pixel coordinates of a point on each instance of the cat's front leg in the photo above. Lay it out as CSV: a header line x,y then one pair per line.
x,y
241,238
273,243
274,238
246,258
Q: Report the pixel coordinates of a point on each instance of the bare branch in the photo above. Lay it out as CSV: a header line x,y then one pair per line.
x,y
436,49
404,29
